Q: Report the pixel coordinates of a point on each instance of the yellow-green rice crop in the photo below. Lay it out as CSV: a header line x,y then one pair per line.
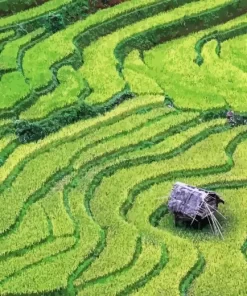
x,y
84,209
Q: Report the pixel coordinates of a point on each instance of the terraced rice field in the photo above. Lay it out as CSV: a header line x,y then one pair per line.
x,y
89,148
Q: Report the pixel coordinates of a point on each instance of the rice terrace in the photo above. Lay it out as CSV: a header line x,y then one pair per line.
x,y
104,106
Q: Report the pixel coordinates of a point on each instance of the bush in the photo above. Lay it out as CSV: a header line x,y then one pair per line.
x,y
55,22
27,131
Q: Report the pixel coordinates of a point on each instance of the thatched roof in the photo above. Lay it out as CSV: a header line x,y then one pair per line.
x,y
230,114
189,200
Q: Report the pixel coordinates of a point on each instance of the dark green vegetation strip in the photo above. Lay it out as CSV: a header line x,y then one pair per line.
x,y
108,277
88,196
59,292
91,256
21,53
219,36
42,192
20,166
195,271
7,151
69,13
148,183
148,159
71,289
10,7
183,27
97,180
200,262
157,215
154,272
174,131
28,131
141,41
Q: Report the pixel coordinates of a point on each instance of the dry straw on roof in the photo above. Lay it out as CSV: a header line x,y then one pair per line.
x,y
195,203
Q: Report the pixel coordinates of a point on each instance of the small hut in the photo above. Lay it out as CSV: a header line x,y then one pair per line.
x,y
235,119
230,117
189,203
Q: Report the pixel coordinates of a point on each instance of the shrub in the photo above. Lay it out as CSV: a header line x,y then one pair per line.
x,y
27,131
55,22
